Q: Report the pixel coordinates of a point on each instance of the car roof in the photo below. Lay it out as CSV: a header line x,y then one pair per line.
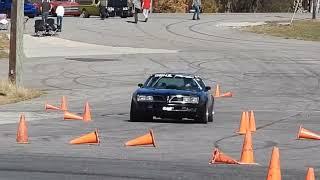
x,y
186,75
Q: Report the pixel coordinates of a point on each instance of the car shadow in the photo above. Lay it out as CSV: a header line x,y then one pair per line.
x,y
172,121
131,22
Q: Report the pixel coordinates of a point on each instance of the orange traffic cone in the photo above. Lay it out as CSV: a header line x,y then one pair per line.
x,y
243,123
274,171
252,122
227,94
310,174
217,91
220,158
306,134
70,116
50,107
146,139
22,133
87,113
90,138
247,156
64,105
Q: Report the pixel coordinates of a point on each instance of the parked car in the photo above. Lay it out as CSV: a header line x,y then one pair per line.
x,y
89,8
119,8
37,6
70,8
29,9
172,95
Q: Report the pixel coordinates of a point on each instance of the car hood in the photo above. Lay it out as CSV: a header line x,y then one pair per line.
x,y
166,92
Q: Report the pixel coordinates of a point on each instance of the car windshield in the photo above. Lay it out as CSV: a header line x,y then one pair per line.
x,y
172,82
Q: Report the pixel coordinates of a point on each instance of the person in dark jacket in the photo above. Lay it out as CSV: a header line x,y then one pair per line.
x,y
103,5
137,9
45,9
196,4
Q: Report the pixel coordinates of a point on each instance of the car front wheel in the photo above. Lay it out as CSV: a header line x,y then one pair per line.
x,y
204,117
134,114
211,113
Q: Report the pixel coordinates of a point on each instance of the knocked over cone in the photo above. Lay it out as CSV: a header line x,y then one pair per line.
x,y
147,139
220,158
90,138
307,134
227,94
50,107
70,116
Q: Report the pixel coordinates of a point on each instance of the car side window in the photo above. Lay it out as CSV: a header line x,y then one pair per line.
x,y
201,83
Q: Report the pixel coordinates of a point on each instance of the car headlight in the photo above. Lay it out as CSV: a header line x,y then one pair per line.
x,y
144,98
190,99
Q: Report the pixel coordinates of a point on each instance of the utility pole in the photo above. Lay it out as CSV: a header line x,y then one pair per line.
x,y
16,41
314,9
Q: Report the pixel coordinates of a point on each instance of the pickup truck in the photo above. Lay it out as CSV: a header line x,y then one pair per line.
x,y
89,8
115,8
29,9
119,8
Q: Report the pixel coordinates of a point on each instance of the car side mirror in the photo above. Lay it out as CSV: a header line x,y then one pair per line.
x,y
140,85
207,88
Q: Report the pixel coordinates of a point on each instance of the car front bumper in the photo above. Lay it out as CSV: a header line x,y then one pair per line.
x,y
164,110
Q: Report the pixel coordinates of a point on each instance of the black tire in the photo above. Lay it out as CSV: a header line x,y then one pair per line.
x,y
204,117
210,118
134,114
112,14
124,14
147,117
138,116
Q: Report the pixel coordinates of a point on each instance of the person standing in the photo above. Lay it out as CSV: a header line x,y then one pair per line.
x,y
146,8
137,8
45,9
103,5
196,4
60,14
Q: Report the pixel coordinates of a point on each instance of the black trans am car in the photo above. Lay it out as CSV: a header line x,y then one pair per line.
x,y
173,96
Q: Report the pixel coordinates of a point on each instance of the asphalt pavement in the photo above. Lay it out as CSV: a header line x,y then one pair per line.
x,y
103,61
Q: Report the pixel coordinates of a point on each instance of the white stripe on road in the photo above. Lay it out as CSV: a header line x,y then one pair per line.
x,y
57,47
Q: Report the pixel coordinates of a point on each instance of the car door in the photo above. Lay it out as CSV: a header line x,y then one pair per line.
x,y
95,9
